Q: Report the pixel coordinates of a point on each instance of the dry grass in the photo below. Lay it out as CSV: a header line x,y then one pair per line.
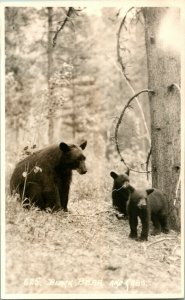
x,y
86,250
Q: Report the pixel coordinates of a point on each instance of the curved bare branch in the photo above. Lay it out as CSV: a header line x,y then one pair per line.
x,y
123,68
118,124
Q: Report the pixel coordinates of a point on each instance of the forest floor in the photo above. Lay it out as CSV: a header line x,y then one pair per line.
x,y
86,250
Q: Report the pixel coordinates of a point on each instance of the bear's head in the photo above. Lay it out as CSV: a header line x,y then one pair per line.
x,y
120,181
73,156
140,197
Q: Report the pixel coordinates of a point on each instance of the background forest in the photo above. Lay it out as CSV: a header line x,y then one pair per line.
x,y
64,82
76,83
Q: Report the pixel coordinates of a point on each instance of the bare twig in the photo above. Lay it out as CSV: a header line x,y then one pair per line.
x,y
176,190
140,108
25,180
124,73
165,239
174,249
147,160
117,14
70,11
118,124
175,85
91,238
98,213
118,44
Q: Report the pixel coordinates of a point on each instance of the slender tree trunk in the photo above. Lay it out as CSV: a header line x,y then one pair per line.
x,y
17,128
50,63
74,105
164,80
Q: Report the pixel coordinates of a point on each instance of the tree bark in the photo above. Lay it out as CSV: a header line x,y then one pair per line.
x,y
164,80
73,101
50,62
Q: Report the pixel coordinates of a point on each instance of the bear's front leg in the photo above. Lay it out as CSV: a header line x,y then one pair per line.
x,y
64,194
133,221
52,198
144,216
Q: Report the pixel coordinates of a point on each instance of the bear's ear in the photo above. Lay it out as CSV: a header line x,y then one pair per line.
x,y
127,172
149,191
64,147
83,145
113,175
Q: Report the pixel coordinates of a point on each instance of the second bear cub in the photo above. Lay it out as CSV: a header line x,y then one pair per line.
x,y
147,204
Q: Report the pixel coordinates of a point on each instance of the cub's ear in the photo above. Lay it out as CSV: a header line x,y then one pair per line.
x,y
83,145
113,175
149,191
64,147
127,172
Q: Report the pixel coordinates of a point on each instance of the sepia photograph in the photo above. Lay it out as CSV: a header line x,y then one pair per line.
x,y
92,149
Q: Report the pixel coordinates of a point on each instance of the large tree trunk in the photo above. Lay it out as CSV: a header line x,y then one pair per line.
x,y
50,62
164,80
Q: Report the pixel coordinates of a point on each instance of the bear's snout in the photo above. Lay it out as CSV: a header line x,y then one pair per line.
x,y
142,203
82,168
82,171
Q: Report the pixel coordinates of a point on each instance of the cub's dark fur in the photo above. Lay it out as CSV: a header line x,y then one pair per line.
x,y
119,192
146,204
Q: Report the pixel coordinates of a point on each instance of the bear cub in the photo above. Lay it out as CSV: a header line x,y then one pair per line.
x,y
147,204
119,192
44,177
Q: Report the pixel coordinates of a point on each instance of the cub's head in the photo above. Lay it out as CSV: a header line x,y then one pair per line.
x,y
73,157
140,197
120,180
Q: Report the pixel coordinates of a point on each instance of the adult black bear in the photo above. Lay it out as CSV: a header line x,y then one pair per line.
x,y
146,204
119,192
44,177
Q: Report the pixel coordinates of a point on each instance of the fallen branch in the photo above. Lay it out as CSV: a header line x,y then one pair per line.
x,y
89,241
155,242
98,213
